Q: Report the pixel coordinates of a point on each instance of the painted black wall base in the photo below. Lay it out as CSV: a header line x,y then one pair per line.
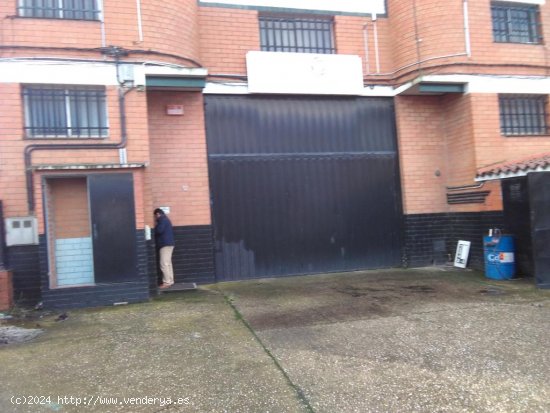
x,y
101,294
193,262
193,257
24,262
3,252
431,239
96,296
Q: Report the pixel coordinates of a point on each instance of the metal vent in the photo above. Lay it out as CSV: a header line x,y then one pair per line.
x,y
477,197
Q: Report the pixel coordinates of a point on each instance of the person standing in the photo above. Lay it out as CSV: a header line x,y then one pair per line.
x,y
164,238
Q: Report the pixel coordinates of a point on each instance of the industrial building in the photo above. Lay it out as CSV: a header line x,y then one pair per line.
x,y
281,138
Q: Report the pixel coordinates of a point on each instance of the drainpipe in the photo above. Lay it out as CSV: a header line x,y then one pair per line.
x,y
376,51
467,44
116,53
416,38
102,24
139,20
467,47
366,47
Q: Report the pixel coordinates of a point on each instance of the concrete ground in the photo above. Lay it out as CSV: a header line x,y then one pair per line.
x,y
423,340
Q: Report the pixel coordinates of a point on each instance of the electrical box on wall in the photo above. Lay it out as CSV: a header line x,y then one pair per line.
x,y
21,231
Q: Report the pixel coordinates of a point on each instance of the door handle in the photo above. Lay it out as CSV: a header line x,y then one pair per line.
x,y
94,230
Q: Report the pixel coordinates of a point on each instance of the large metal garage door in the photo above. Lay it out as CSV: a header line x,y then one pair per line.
x,y
303,185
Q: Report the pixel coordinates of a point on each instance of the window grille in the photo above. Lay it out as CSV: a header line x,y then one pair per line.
x,y
298,35
66,112
60,9
515,23
523,114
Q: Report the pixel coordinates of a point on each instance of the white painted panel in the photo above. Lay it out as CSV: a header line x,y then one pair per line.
x,y
345,6
492,84
540,2
66,73
304,73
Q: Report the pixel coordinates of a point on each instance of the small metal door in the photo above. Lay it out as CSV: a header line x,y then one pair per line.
x,y
113,227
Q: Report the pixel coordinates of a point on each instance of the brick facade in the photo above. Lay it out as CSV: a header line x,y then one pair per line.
x,y
178,173
6,290
443,138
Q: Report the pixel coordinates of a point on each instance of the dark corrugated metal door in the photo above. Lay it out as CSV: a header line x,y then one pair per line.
x,y
113,227
303,185
539,190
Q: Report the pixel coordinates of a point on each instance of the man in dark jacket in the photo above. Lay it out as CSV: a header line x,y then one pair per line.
x,y
164,238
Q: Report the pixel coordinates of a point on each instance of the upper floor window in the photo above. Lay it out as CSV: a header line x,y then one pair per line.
x,y
66,112
59,9
523,114
515,23
297,34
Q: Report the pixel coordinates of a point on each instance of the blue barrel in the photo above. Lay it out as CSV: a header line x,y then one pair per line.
x,y
500,263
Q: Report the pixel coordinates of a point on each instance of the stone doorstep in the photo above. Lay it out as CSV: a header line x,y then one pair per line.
x,y
179,287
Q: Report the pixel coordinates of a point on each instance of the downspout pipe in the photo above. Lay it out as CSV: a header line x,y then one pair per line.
x,y
375,32
467,45
139,21
116,53
366,48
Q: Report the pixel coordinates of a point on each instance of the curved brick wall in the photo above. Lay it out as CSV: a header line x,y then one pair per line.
x,y
171,26
431,22
440,29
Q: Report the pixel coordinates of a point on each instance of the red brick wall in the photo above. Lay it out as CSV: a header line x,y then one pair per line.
x,y
12,175
460,162
440,28
493,147
168,26
422,149
455,135
178,174
6,290
350,35
220,37
12,169
225,37
484,50
69,208
45,32
460,153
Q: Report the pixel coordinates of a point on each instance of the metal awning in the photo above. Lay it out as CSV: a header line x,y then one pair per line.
x,y
83,166
432,88
175,83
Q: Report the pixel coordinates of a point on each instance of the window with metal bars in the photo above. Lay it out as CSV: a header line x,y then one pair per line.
x,y
515,23
60,9
523,115
297,34
65,112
